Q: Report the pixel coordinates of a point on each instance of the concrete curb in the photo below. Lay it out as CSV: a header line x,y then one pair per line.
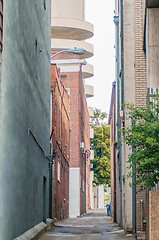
x,y
49,223
36,232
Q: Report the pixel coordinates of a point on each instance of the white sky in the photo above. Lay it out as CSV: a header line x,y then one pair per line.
x,y
100,13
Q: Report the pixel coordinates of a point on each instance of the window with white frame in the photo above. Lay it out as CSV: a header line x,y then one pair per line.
x,y
58,171
83,186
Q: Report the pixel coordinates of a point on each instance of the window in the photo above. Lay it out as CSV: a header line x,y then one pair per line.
x,y
58,172
80,181
83,186
68,91
44,4
62,76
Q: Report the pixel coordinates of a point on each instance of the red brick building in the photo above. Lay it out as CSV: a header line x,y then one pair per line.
x,y
61,147
71,76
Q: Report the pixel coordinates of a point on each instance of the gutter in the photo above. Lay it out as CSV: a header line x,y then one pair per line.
x,y
37,231
122,102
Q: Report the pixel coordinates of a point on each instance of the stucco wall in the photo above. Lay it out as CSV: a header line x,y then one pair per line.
x,y
25,105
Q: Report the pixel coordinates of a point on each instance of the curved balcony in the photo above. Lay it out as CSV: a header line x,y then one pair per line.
x,y
89,91
91,111
61,44
65,28
87,71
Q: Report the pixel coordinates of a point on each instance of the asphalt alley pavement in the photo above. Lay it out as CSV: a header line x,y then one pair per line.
x,y
94,225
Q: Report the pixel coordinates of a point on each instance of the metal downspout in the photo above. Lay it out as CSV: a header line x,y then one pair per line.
x,y
122,101
50,165
133,198
116,20
114,151
50,185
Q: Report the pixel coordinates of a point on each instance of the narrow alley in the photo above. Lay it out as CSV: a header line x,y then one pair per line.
x,y
94,225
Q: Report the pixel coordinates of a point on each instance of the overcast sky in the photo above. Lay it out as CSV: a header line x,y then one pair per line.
x,y
100,13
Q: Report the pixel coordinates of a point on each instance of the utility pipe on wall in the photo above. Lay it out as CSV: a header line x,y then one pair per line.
x,y
122,99
141,202
133,197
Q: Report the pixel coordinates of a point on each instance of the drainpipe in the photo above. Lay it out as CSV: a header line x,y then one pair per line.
x,y
50,186
116,21
133,197
51,161
114,151
141,202
122,56
122,100
134,203
85,187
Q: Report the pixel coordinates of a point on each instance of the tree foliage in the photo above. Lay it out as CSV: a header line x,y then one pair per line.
x,y
101,146
99,118
143,137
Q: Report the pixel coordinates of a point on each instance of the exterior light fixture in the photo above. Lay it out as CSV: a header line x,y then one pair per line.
x,y
78,51
88,153
121,114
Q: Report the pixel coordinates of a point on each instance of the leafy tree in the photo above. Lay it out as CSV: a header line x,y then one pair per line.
x,y
99,118
101,146
143,137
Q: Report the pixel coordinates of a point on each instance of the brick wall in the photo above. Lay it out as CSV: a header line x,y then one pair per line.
x,y
140,56
128,72
71,81
84,121
153,216
141,88
79,132
61,144
135,91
